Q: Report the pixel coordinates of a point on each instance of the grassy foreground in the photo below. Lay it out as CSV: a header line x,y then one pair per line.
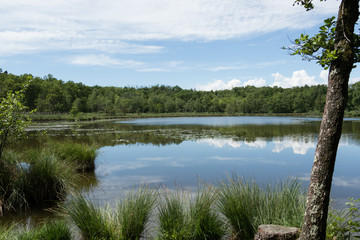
x,y
232,209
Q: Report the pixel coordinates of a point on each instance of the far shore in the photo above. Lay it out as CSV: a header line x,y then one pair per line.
x,y
48,117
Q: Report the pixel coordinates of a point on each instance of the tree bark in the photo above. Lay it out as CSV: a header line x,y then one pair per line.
x,y
314,223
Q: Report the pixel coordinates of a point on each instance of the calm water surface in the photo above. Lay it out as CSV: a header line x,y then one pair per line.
x,y
182,151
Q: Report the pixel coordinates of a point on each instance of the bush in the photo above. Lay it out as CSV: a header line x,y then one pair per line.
x,y
344,224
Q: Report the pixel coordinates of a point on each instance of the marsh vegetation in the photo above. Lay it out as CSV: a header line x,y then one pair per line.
x,y
164,151
42,176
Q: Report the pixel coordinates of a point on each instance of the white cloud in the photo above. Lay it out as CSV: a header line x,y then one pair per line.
x,y
298,78
241,65
223,68
346,182
257,82
221,85
256,144
154,159
127,166
103,60
109,25
153,69
354,80
298,145
219,158
220,143
324,76
162,67
20,42
273,162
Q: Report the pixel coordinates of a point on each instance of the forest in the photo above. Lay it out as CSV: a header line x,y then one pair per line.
x,y
51,95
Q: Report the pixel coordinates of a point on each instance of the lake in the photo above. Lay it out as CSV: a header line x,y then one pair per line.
x,y
183,151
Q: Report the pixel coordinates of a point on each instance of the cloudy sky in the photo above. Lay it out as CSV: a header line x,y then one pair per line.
x,y
197,44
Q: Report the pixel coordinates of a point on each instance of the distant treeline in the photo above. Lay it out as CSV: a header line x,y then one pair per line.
x,y
50,95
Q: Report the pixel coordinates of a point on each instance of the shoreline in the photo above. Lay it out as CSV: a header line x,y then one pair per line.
x,y
45,117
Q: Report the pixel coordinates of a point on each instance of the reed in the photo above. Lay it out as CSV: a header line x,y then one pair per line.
x,y
135,211
205,222
173,219
92,221
237,201
7,233
282,203
56,230
80,155
246,205
48,178
13,182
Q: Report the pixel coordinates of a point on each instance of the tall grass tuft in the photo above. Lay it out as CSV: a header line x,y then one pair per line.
x,y
92,221
246,205
12,182
172,216
56,230
81,155
48,178
282,203
134,213
205,222
7,233
238,201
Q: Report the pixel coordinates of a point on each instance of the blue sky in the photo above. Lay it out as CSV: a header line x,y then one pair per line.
x,y
195,44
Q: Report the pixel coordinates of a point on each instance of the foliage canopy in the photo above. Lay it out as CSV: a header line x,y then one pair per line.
x,y
321,47
13,121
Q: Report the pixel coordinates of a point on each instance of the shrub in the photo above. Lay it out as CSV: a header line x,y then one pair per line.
x,y
344,224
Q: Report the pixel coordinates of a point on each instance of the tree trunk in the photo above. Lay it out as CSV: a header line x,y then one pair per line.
x,y
314,223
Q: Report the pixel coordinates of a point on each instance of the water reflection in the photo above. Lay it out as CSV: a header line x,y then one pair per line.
x,y
182,150
299,145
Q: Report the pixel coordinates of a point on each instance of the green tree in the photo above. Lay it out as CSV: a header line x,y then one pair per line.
x,y
12,119
335,47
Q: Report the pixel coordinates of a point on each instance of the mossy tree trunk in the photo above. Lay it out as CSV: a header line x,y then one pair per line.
x,y
314,224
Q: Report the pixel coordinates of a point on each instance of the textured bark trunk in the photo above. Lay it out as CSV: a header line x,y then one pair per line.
x,y
314,224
